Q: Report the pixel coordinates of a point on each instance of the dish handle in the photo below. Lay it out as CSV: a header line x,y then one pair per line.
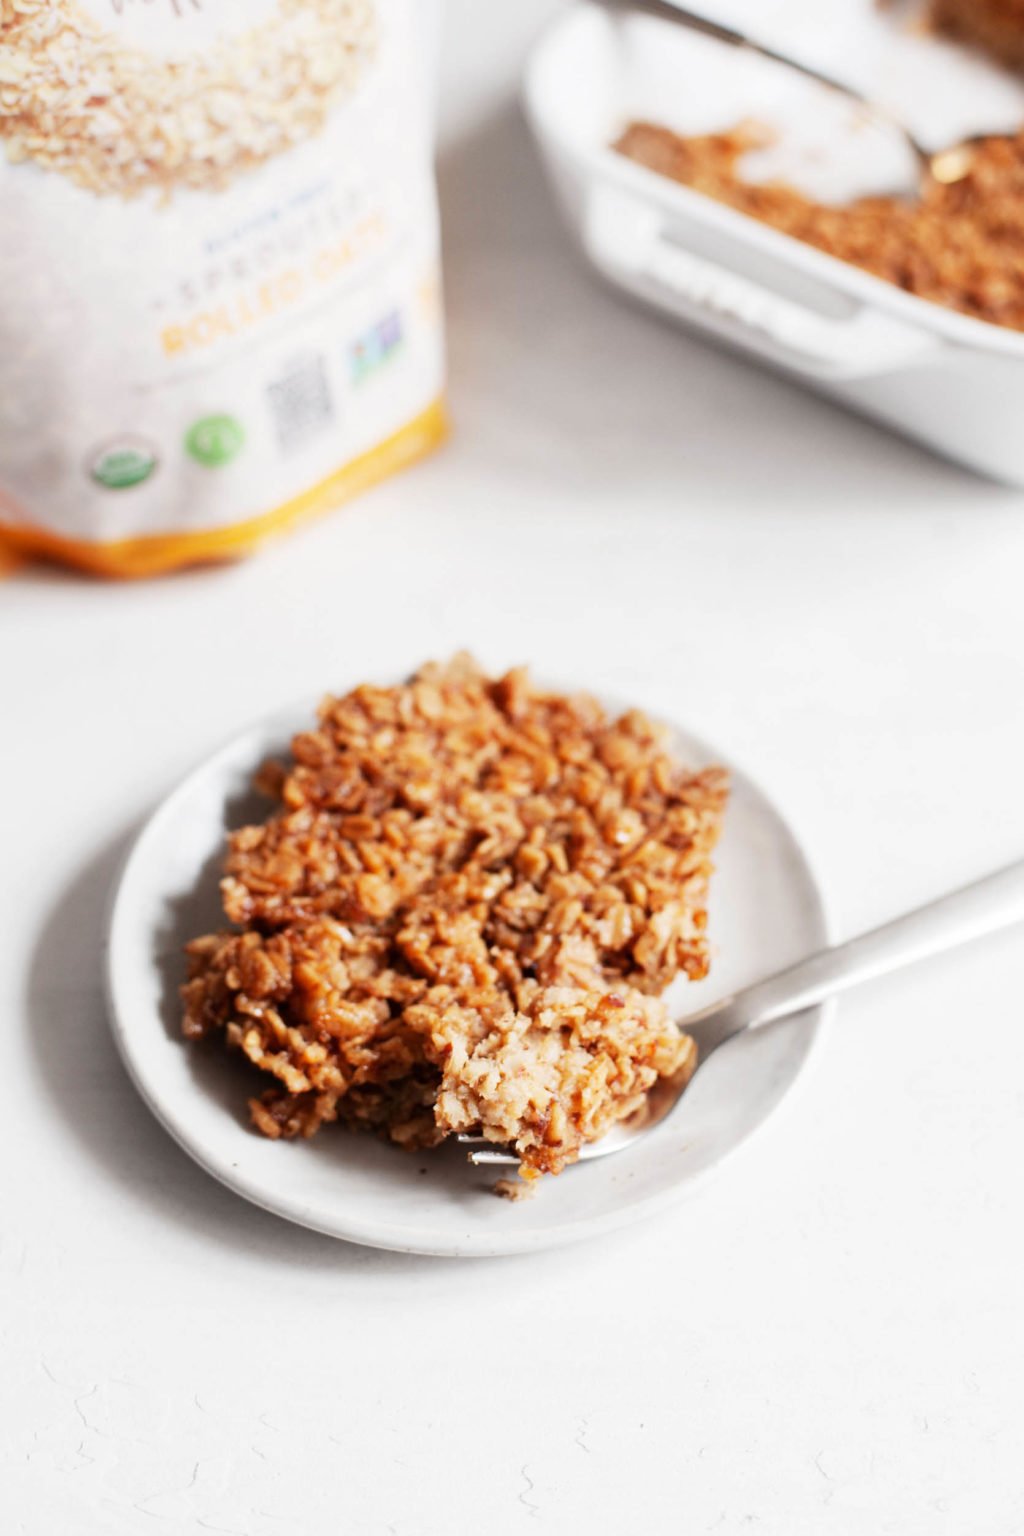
x,y
627,239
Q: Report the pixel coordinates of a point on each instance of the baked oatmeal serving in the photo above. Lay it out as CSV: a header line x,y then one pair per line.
x,y
959,243
460,914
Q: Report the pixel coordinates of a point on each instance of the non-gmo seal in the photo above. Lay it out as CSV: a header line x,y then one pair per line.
x,y
215,440
123,462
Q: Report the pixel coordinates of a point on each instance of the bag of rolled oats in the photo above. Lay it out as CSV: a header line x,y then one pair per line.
x,y
219,286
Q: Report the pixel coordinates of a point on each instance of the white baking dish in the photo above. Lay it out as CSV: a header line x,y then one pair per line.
x,y
951,382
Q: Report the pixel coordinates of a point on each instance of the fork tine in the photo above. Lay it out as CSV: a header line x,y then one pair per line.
x,y
484,1153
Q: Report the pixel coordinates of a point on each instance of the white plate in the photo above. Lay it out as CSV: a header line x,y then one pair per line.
x,y
766,910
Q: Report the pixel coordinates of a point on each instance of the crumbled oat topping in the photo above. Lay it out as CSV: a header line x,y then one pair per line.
x,y
960,245
996,25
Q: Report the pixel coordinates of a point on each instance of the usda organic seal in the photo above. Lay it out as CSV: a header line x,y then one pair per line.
x,y
123,462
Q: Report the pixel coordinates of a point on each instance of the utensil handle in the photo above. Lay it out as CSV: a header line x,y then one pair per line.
x,y
723,34
988,905
696,22
687,18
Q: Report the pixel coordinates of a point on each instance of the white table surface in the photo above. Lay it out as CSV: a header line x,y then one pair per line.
x,y
827,1340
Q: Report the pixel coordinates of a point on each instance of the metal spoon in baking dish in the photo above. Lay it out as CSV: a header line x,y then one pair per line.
x,y
946,166
995,902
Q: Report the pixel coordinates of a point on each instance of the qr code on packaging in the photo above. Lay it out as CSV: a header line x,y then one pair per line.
x,y
300,402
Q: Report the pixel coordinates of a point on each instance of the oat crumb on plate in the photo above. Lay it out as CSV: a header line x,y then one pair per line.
x,y
515,1189
459,916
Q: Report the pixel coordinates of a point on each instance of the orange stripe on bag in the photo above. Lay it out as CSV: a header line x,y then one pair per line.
x,y
155,554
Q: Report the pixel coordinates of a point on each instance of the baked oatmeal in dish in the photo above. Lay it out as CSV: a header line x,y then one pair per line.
x,y
960,244
459,916
996,25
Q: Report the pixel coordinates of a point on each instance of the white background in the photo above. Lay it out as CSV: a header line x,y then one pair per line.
x,y
828,1339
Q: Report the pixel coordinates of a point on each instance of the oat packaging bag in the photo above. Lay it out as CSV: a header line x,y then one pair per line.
x,y
219,285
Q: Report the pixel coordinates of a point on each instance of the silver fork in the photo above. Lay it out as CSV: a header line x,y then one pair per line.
x,y
995,902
